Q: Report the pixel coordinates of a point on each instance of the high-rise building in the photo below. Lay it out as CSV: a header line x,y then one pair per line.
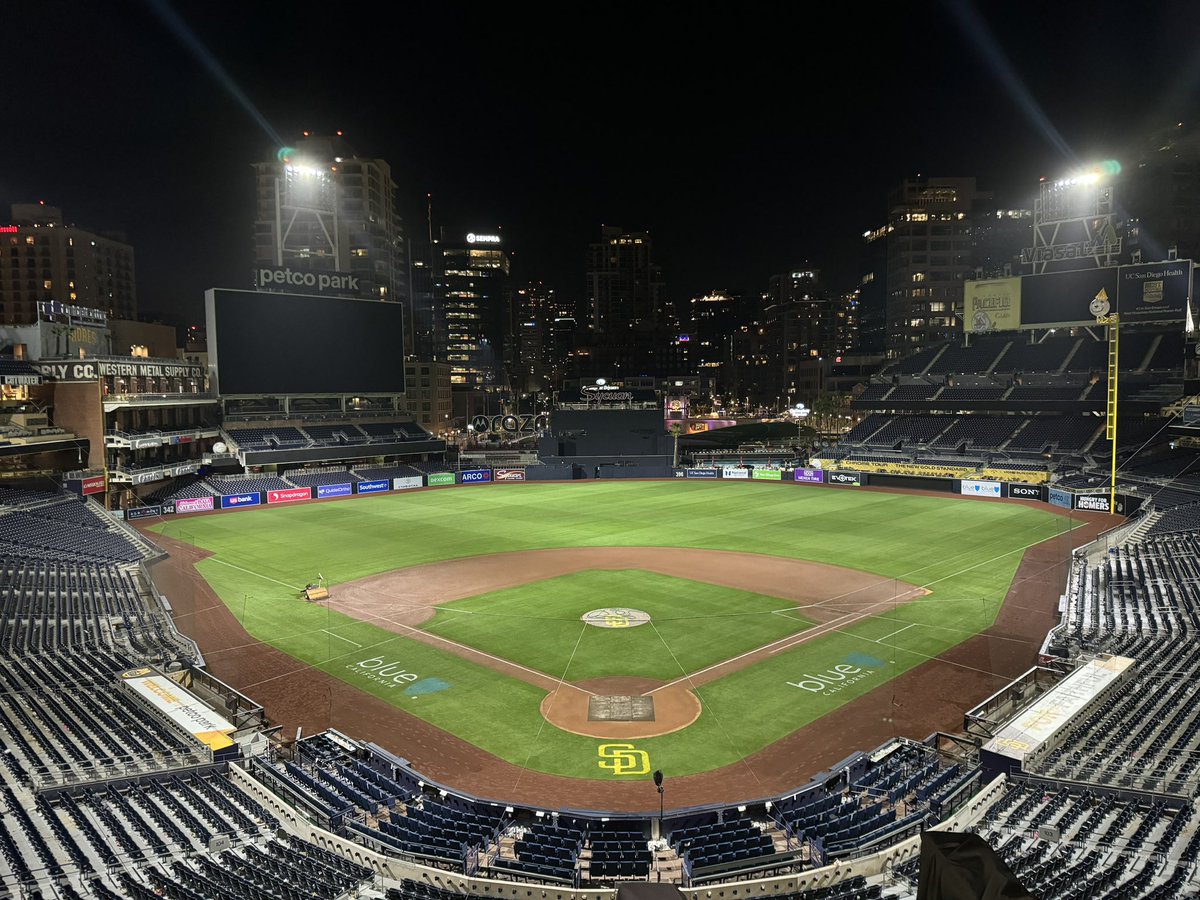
x,y
802,322
928,247
44,260
715,318
471,296
624,286
324,208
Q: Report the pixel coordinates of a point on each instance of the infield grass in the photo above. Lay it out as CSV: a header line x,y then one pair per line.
x,y
964,552
692,624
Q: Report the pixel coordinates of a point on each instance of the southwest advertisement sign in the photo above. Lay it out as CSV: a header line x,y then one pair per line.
x,y
510,475
476,476
980,488
437,478
1060,498
992,305
701,473
735,473
1093,502
1025,491
290,495
1154,292
374,487
195,504
809,476
333,490
414,481
766,475
233,501
845,479
143,512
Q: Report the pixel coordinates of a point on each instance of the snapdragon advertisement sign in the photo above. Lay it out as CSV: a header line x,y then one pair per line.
x,y
766,475
291,495
436,478
980,488
236,501
333,490
735,473
414,481
809,476
374,487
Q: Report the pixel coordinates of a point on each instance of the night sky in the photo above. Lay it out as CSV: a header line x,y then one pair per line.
x,y
746,143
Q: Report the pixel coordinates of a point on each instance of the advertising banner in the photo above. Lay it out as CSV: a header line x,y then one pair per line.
x,y
436,478
144,443
1093,502
1060,498
374,487
1062,298
93,485
766,475
992,305
333,490
187,711
234,501
845,479
510,475
1025,491
475,476
701,473
195,504
414,481
980,488
289,495
809,476
733,472
1154,292
143,512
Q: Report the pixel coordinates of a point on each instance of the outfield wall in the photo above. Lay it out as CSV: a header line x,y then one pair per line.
x,y
1085,501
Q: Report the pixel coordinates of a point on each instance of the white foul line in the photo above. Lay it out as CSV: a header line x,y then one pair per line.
x,y
340,638
894,633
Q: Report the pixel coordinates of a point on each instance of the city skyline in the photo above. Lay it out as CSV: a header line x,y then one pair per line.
x,y
744,147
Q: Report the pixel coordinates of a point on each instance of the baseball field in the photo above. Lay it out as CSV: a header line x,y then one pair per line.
x,y
600,630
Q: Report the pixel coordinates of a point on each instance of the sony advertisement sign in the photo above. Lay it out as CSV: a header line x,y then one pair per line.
x,y
328,284
1024,491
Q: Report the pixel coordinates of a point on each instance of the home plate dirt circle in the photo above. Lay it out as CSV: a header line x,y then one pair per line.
x,y
571,707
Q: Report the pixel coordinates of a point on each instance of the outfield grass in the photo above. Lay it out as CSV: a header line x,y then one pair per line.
x,y
692,624
964,551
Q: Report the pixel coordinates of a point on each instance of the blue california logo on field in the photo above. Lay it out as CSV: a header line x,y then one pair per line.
x,y
384,672
615,617
856,668
623,759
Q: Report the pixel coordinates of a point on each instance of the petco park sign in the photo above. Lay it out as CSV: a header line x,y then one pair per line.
x,y
337,284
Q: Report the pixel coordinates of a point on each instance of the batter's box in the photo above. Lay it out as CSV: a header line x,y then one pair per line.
x,y
620,708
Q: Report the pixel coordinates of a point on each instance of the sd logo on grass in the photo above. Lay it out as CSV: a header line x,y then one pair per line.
x,y
623,759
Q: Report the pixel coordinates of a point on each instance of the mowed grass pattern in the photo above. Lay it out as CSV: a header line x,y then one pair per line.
x,y
964,551
692,624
